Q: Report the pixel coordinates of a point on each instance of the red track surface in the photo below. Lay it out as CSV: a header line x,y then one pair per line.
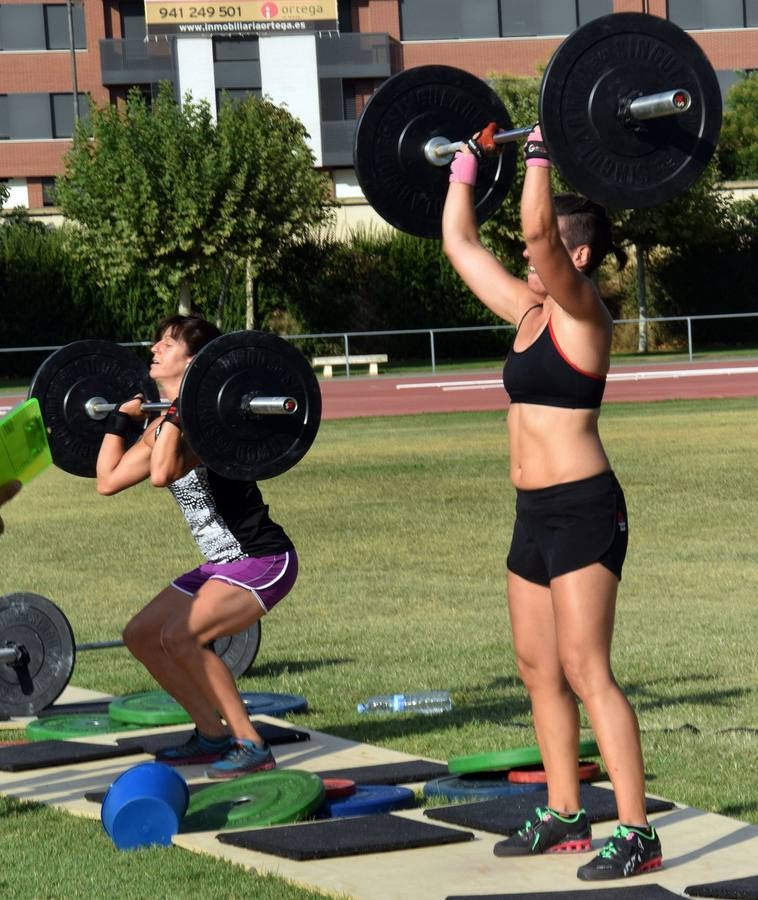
x,y
385,396
345,398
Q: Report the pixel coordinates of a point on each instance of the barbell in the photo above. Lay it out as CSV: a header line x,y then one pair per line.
x,y
37,653
630,110
249,403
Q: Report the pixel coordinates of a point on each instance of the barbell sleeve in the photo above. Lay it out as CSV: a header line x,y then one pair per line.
x,y
439,151
9,655
98,407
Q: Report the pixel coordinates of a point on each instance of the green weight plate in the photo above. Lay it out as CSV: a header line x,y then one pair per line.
x,y
264,798
149,708
60,728
502,760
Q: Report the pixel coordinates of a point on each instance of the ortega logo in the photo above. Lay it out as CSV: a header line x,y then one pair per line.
x,y
270,10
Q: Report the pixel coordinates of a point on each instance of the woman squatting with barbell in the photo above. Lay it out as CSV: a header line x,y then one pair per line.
x,y
570,534
251,566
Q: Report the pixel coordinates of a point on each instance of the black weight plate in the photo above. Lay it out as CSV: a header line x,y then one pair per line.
x,y
70,377
230,441
239,650
36,624
618,58
409,109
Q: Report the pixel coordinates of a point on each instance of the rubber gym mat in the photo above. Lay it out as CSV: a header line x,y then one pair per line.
x,y
734,889
640,892
43,754
506,815
391,773
274,734
344,837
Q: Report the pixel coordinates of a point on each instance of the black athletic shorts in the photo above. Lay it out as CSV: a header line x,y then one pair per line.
x,y
565,527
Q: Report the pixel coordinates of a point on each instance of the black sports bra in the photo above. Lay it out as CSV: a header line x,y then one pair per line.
x,y
543,375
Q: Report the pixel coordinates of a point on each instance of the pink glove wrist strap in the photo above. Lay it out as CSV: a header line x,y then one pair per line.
x,y
463,168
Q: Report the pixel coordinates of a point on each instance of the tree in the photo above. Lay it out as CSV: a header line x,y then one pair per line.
x,y
166,192
738,145
4,194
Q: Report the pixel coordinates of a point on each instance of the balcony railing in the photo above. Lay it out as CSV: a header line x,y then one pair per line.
x,y
136,61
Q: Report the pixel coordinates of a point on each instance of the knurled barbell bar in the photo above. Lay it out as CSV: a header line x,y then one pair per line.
x,y
630,110
249,403
38,653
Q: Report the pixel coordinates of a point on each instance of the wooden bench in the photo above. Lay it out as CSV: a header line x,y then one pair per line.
x,y
372,360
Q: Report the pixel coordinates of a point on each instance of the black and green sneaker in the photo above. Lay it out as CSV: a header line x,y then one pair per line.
x,y
550,833
629,851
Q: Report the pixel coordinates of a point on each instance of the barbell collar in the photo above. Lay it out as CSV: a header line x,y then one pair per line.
x,y
98,407
665,103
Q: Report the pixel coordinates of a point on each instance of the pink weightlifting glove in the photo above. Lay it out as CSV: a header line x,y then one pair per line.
x,y
535,151
463,168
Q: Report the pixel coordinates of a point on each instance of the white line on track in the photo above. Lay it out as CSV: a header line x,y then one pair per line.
x,y
488,383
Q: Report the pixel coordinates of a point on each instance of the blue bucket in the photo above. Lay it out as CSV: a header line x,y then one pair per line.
x,y
144,806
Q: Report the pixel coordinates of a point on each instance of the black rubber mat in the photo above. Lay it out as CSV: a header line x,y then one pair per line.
x,y
641,892
391,773
43,754
344,837
85,708
274,734
507,814
734,889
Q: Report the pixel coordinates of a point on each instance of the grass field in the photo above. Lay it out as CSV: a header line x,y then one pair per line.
x,y
402,525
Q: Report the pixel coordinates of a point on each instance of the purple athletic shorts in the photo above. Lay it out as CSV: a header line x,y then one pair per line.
x,y
268,578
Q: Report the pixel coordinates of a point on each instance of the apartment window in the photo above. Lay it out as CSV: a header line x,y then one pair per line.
x,y
751,13
35,26
696,15
235,49
62,113
236,95
448,19
451,19
48,192
133,26
5,132
56,27
345,15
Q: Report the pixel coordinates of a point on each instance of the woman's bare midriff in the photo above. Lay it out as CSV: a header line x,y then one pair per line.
x,y
550,445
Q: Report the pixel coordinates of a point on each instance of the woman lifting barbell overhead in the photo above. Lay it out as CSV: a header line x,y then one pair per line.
x,y
570,534
251,565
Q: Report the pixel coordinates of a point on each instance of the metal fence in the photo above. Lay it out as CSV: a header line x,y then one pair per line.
x,y
345,337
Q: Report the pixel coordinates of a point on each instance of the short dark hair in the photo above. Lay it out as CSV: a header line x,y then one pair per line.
x,y
194,331
586,222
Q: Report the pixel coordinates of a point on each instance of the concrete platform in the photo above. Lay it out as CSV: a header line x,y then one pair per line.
x,y
699,847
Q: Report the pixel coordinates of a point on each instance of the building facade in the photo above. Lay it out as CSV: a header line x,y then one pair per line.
x,y
324,78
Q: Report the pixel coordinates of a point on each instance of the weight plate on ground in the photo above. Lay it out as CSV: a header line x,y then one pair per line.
x,y
160,708
338,787
406,111
603,65
475,787
264,798
34,623
230,370
70,377
588,771
239,650
368,799
503,760
61,728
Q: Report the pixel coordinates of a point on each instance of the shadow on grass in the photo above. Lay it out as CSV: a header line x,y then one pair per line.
x,y
283,667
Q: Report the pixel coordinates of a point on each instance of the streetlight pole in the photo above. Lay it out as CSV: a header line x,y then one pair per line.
x,y
72,49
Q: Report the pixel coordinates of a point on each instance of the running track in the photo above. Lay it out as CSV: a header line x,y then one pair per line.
x,y
345,398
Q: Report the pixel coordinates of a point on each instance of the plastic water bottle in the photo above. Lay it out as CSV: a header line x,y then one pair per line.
x,y
428,703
